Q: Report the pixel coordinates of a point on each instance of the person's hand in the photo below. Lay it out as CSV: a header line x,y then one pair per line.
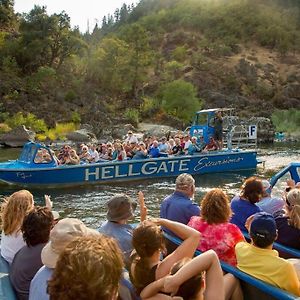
x,y
170,285
155,221
143,207
48,202
290,183
248,222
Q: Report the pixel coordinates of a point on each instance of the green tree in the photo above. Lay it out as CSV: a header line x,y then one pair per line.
x,y
109,65
46,40
138,40
179,98
7,16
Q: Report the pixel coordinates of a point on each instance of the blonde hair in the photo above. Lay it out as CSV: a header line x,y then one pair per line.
x,y
14,209
90,267
184,182
293,204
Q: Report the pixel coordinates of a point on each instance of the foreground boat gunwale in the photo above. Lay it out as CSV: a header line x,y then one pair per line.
x,y
264,287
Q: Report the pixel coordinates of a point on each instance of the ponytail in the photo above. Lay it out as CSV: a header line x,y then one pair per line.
x,y
141,276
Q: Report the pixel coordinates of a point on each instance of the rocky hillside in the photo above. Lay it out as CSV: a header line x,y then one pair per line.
x,y
159,60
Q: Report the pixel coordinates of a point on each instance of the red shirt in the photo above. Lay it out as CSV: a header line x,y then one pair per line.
x,y
222,238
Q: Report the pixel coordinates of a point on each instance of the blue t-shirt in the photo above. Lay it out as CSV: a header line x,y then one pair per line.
x,y
154,152
39,283
122,233
178,207
241,210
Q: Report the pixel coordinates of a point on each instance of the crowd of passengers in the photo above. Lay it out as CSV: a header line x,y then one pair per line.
x,y
62,259
129,148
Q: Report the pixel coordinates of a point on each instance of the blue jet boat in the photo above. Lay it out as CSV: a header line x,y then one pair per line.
x,y
27,171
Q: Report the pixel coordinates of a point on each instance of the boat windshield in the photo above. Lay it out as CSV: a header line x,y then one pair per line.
x,y
27,153
42,156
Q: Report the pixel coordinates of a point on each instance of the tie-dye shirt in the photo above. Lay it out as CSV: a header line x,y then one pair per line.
x,y
222,238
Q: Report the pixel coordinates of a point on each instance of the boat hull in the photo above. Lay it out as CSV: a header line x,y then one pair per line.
x,y
106,172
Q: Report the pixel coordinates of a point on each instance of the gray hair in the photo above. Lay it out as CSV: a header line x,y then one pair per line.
x,y
184,182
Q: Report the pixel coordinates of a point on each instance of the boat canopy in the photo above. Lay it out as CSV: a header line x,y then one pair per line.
x,y
37,155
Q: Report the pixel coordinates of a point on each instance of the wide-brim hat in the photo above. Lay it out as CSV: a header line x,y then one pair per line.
x,y
120,207
65,231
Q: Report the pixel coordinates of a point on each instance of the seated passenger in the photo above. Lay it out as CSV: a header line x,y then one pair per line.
x,y
288,223
201,142
193,147
119,153
148,243
268,203
154,150
36,229
42,156
187,142
13,210
65,231
84,155
171,144
177,149
90,267
63,154
163,145
120,210
213,224
187,281
211,146
93,156
179,206
73,158
244,205
141,151
259,260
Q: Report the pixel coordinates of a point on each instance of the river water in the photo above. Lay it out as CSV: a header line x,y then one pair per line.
x,y
88,202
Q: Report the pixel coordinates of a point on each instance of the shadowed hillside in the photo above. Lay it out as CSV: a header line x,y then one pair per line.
x,y
159,60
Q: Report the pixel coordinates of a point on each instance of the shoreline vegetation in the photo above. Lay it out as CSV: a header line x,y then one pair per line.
x,y
158,60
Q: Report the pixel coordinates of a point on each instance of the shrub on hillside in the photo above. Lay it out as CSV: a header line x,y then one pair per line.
x,y
179,98
286,120
132,116
29,120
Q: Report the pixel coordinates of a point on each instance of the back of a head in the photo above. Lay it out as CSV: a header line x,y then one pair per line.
x,y
147,238
215,207
14,209
184,182
293,206
90,267
263,230
267,189
37,225
252,189
190,288
65,231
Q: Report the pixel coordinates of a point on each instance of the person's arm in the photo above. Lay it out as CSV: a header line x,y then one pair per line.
x,y
143,207
207,262
187,248
151,291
